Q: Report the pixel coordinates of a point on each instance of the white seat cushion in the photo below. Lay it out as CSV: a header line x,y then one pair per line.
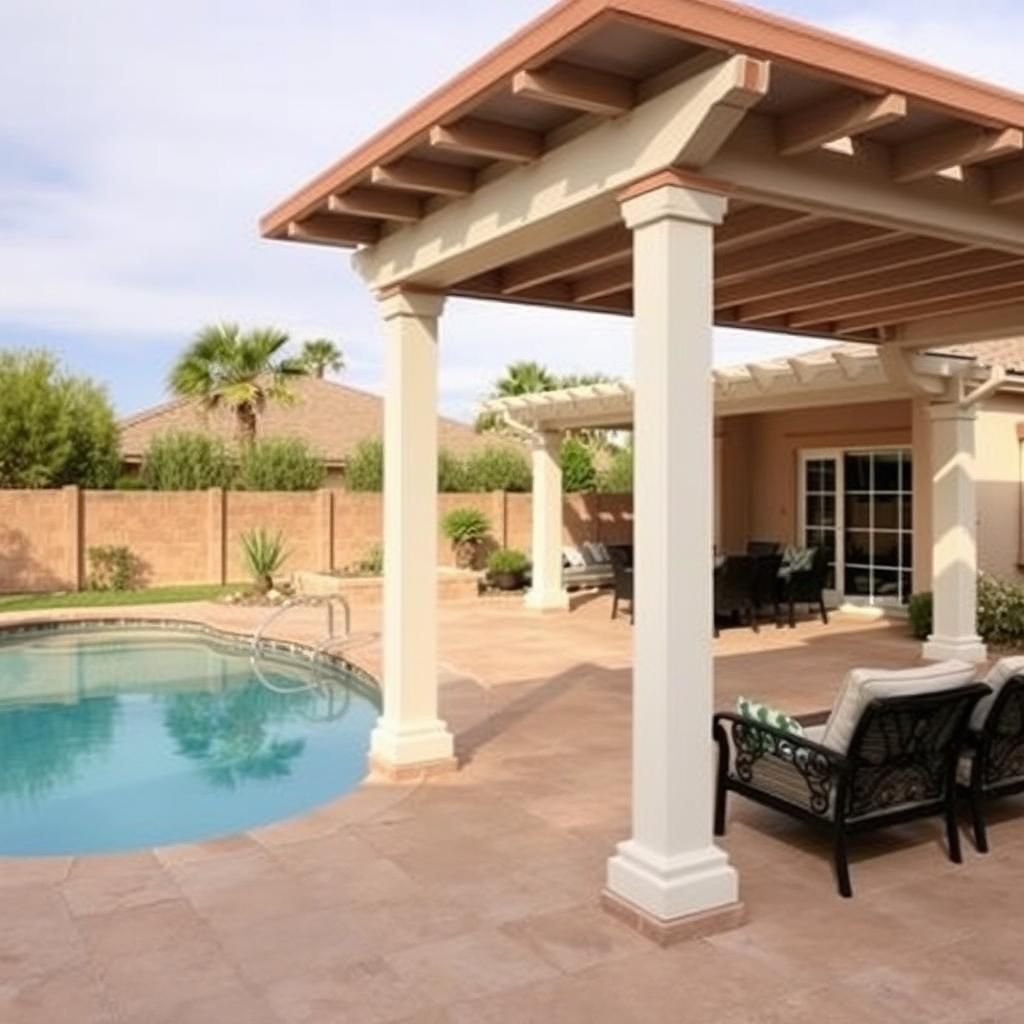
x,y
863,685
998,677
573,558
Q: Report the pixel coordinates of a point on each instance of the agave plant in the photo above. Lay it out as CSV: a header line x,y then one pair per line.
x,y
264,554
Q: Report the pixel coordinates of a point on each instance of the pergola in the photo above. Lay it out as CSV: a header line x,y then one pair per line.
x,y
689,162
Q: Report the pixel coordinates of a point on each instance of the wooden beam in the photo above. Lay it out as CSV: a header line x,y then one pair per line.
x,y
983,281
757,223
571,259
578,88
807,247
885,280
1009,295
414,175
327,229
610,281
369,202
489,139
956,147
1006,182
843,117
901,253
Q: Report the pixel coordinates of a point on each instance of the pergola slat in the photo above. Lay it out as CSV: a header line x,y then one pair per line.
x,y
958,147
329,229
488,139
575,87
366,202
1007,295
425,176
1006,182
843,117
602,283
757,223
577,257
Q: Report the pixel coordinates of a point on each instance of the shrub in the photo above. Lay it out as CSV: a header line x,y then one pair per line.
x,y
617,478
578,472
497,468
55,429
280,464
507,560
186,461
264,555
920,612
451,473
130,482
114,567
466,528
364,470
373,562
1000,611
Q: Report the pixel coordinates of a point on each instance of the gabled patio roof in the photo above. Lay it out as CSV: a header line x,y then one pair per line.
x,y
869,193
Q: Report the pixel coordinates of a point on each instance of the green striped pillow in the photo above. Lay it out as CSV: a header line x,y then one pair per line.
x,y
767,715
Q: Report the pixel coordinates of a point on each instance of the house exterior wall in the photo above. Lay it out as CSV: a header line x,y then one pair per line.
x,y
999,485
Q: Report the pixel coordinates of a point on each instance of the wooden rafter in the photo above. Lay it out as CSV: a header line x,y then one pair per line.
x,y
375,203
425,176
956,147
844,117
610,281
328,229
758,223
488,139
1006,182
1008,295
571,259
578,88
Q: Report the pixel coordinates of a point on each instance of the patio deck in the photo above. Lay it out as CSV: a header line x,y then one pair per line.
x,y
473,897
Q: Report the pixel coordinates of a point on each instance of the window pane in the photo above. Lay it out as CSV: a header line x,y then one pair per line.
x,y
858,582
858,511
887,471
887,512
907,475
907,550
858,546
887,549
828,475
812,510
887,583
828,510
858,472
907,583
907,513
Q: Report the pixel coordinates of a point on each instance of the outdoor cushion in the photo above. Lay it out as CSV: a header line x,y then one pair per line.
x,y
573,559
796,559
595,554
998,677
758,712
863,685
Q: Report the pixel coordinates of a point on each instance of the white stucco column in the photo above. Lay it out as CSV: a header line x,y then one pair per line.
x,y
409,735
546,591
669,873
954,528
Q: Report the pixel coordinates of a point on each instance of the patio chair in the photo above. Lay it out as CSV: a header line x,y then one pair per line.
x,y
763,547
765,585
805,586
622,566
584,567
992,764
887,755
734,590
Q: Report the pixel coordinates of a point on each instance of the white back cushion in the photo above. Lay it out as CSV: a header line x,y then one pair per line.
x,y
573,557
998,677
863,685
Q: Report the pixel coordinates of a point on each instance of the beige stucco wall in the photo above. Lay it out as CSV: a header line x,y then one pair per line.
x,y
999,485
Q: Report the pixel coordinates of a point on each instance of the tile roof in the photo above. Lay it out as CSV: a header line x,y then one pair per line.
x,y
332,418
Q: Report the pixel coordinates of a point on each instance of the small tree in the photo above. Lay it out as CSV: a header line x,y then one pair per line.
x,y
617,478
364,470
321,355
578,472
451,473
186,461
466,528
280,464
498,468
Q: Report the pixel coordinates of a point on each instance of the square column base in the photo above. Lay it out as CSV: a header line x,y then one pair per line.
x,y
547,600
668,889
681,929
410,751
968,648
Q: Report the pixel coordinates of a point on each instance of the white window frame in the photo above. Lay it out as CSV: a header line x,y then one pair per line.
x,y
839,596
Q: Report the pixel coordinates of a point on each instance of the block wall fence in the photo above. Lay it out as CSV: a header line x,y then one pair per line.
x,y
194,536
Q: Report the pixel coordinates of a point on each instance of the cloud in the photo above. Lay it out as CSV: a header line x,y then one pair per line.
x,y
139,143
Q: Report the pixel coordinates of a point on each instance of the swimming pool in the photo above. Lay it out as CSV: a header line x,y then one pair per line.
x,y
121,738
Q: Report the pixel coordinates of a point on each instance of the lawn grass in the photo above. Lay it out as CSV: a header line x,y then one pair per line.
x,y
114,598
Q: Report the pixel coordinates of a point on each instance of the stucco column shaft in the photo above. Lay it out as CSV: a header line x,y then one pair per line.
x,y
670,870
954,528
546,591
409,733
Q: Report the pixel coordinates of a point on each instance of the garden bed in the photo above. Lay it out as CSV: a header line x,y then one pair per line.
x,y
452,585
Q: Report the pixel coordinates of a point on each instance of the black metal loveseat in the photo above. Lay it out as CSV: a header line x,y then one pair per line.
x,y
884,757
992,762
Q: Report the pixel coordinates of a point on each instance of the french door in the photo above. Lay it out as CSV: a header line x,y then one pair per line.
x,y
858,504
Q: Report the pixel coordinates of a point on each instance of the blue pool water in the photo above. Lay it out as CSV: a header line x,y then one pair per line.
x,y
123,739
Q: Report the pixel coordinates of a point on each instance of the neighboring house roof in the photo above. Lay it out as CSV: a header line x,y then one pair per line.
x,y
332,418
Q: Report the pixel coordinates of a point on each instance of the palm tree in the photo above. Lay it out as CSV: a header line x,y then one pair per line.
x,y
321,355
524,378
226,367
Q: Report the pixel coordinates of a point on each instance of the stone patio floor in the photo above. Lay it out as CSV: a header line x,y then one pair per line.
x,y
473,898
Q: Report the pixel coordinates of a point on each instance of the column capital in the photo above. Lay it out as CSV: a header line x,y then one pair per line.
x,y
398,301
667,196
940,412
546,440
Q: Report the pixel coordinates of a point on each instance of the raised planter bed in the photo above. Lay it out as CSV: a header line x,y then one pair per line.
x,y
452,585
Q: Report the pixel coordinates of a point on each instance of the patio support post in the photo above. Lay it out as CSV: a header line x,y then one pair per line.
x,y
546,591
410,737
954,528
669,878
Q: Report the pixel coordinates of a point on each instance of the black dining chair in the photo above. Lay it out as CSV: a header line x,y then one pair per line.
x,y
734,590
622,567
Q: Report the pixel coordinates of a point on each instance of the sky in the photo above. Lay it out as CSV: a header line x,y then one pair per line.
x,y
141,140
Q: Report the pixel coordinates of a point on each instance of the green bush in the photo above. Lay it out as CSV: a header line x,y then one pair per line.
x,y
920,613
264,555
508,560
1000,611
130,482
617,478
364,470
451,473
465,524
497,468
280,464
114,567
55,429
578,472
372,564
186,461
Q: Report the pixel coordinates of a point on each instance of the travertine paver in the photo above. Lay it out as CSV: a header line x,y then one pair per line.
x,y
473,898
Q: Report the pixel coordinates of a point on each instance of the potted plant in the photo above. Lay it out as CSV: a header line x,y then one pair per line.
x,y
264,555
466,528
507,567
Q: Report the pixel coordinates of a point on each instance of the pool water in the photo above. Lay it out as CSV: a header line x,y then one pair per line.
x,y
126,739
